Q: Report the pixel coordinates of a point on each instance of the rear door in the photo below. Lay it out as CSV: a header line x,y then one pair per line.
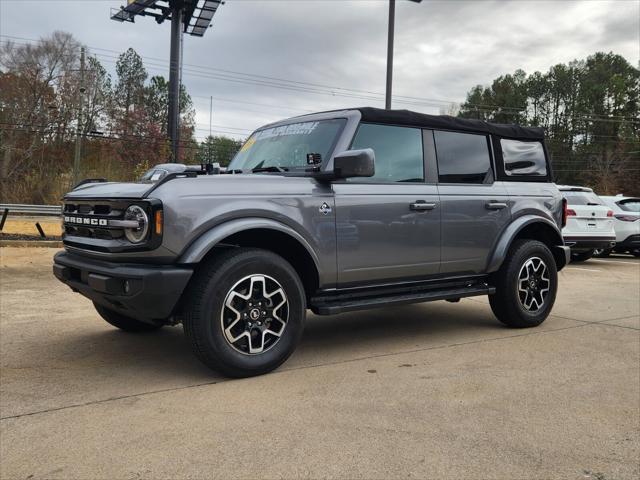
x,y
475,208
388,226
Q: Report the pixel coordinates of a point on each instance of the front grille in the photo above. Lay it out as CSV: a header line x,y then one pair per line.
x,y
87,208
93,211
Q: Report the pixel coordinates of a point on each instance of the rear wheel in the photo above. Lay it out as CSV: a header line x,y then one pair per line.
x,y
582,256
526,285
246,312
123,322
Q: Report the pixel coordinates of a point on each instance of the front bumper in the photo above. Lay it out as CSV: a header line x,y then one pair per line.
x,y
145,292
589,243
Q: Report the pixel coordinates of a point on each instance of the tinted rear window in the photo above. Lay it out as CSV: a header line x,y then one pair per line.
x,y
582,198
463,158
630,204
523,158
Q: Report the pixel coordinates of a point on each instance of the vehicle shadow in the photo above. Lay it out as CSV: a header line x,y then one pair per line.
x,y
164,357
410,325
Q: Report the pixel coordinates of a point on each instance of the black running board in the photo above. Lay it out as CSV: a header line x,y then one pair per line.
x,y
349,302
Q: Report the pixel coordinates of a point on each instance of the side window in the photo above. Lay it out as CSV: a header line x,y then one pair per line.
x,y
398,152
463,158
523,158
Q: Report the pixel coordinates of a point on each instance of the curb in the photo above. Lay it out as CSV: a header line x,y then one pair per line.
x,y
31,243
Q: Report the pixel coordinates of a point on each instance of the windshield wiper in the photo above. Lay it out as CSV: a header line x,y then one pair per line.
x,y
270,169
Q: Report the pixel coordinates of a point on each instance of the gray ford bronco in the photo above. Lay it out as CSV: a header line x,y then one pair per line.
x,y
332,212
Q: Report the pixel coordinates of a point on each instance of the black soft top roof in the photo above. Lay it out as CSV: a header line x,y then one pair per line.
x,y
446,122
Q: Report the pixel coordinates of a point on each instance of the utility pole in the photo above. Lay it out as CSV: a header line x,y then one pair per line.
x,y
175,62
210,139
80,128
390,35
392,21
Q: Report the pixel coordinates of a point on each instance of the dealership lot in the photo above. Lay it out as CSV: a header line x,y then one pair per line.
x,y
431,390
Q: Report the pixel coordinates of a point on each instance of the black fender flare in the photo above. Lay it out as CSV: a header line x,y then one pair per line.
x,y
560,252
196,251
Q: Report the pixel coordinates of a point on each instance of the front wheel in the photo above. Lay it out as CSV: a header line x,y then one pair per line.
x,y
526,285
246,312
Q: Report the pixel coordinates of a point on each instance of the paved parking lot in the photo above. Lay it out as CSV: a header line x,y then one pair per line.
x,y
436,390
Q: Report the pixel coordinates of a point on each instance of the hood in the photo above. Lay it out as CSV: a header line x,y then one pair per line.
x,y
110,190
202,185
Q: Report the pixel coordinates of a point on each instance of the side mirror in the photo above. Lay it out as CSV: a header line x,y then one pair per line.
x,y
354,163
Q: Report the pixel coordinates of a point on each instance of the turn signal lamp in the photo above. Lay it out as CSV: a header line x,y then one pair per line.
x,y
159,219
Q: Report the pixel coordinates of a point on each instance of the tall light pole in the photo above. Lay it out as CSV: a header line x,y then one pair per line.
x,y
192,17
392,21
175,72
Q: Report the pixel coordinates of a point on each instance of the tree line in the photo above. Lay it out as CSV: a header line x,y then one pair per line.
x,y
590,110
123,123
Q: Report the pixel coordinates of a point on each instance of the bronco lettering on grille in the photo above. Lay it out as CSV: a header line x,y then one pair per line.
x,y
101,222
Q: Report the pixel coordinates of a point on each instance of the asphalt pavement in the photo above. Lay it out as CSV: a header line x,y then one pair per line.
x,y
436,390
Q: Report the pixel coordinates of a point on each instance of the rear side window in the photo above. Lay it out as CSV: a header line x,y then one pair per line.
x,y
581,198
523,158
630,204
398,152
463,158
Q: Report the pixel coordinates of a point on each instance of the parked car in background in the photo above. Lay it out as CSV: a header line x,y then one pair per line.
x,y
626,223
589,223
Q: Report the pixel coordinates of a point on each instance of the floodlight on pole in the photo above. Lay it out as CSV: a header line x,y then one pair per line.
x,y
390,35
192,17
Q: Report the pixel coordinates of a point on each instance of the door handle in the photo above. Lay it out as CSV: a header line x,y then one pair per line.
x,y
495,205
421,206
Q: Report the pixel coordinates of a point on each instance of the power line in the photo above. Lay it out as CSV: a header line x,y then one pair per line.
x,y
342,92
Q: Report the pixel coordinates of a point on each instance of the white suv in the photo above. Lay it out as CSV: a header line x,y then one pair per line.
x,y
626,222
589,223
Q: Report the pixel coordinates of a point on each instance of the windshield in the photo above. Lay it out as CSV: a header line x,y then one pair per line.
x,y
582,198
287,146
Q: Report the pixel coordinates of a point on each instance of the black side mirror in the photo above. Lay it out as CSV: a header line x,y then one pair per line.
x,y
354,163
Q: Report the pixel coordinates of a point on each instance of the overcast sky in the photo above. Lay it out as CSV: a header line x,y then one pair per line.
x,y
443,48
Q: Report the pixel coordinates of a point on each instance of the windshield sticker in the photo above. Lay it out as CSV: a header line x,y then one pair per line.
x,y
248,144
294,129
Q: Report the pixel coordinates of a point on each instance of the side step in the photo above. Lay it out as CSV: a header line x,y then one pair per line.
x,y
349,302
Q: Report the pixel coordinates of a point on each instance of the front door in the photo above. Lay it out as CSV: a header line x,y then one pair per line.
x,y
388,226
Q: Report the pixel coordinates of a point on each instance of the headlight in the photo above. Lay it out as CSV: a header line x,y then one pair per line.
x,y
136,235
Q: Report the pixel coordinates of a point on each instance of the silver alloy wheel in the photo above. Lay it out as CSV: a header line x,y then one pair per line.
x,y
254,314
533,284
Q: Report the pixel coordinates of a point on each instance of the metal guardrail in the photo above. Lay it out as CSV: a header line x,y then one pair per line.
x,y
44,210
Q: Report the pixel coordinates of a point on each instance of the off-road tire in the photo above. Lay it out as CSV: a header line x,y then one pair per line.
x,y
123,322
506,303
212,283
582,256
